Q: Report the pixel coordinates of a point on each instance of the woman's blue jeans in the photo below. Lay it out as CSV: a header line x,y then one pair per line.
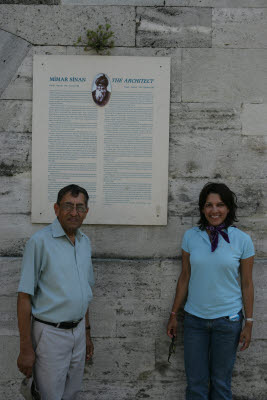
x,y
210,350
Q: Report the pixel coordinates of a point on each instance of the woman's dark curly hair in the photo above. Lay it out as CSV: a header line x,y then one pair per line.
x,y
226,195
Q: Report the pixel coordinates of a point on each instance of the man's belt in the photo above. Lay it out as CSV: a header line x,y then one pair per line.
x,y
60,325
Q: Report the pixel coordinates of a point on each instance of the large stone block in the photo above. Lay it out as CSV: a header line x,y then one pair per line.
x,y
224,75
254,120
15,155
32,2
217,3
255,226
121,358
8,316
10,390
127,279
62,25
175,54
141,389
13,49
239,27
173,27
20,86
102,314
9,350
15,233
229,157
203,131
10,275
249,377
139,317
16,196
16,116
114,2
183,195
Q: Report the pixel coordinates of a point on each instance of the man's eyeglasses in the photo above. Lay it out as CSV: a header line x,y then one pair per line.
x,y
172,348
68,207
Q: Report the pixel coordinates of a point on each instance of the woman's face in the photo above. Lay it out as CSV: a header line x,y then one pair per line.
x,y
215,210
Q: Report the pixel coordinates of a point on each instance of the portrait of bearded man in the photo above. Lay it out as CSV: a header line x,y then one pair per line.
x,y
101,94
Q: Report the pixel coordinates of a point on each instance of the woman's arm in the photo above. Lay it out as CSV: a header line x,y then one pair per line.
x,y
246,267
181,292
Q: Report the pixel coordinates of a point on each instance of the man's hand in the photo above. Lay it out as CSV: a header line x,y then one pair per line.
x,y
89,346
172,326
25,361
245,336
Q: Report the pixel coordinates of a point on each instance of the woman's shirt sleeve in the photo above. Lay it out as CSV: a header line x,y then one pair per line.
x,y
248,248
185,242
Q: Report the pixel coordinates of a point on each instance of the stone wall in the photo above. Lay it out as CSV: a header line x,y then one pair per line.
x,y
218,51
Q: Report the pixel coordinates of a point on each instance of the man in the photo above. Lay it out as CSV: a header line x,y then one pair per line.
x,y
101,94
55,288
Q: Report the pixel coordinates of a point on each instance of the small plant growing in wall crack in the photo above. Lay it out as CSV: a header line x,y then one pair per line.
x,y
100,40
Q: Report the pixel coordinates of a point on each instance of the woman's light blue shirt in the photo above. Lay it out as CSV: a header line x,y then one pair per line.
x,y
57,274
214,289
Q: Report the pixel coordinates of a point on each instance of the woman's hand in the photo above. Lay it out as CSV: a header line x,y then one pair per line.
x,y
172,326
245,336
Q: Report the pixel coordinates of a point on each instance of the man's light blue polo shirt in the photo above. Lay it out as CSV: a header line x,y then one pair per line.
x,y
214,290
57,274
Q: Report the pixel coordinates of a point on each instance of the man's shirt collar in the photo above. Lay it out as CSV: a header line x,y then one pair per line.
x,y
58,231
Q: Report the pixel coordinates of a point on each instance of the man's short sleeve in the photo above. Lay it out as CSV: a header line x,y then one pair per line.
x,y
91,278
30,268
185,245
248,248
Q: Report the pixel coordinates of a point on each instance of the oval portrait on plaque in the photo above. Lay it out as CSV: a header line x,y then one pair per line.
x,y
101,89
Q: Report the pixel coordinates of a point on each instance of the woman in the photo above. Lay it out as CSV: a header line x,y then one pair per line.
x,y
213,254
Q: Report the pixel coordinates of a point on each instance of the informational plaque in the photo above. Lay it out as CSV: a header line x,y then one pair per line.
x,y
102,122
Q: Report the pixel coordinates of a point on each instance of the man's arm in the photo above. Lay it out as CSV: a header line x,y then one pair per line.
x,y
26,356
89,343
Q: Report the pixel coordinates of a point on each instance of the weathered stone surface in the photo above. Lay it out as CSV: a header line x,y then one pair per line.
x,y
20,86
8,316
10,275
183,196
114,2
10,390
249,378
33,2
16,198
121,358
201,131
139,317
217,3
15,155
141,389
128,279
239,28
254,120
220,75
12,51
16,116
9,350
173,27
136,242
107,241
62,25
175,54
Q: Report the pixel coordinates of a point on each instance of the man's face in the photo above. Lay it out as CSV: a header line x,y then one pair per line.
x,y
71,212
100,92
